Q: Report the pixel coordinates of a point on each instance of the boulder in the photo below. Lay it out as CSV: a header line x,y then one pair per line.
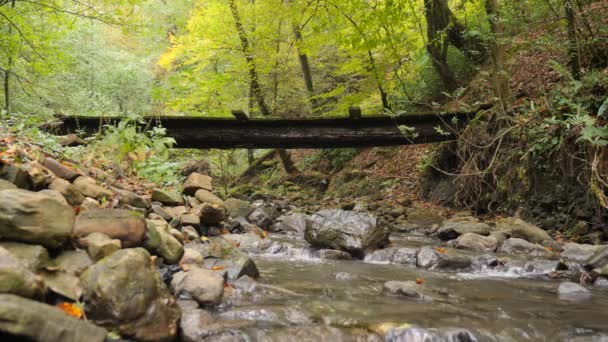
x,y
89,188
60,170
572,292
350,231
205,196
166,197
197,181
126,292
36,321
580,252
131,199
441,258
33,257
100,245
238,208
260,218
476,242
160,242
34,218
453,229
206,287
68,190
16,279
394,255
520,246
407,289
294,224
223,255
332,254
212,214
517,228
127,226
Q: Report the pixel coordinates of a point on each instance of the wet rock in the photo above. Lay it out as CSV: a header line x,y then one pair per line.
x,y
517,228
100,245
475,242
332,254
166,197
34,218
160,242
294,224
60,170
205,196
69,191
223,255
598,263
125,291
349,231
601,282
394,255
73,261
41,322
6,185
237,207
579,252
344,276
212,214
33,257
15,278
89,188
520,246
248,242
429,335
131,199
311,333
197,325
127,226
407,289
572,292
261,218
452,229
197,181
89,204
206,287
439,258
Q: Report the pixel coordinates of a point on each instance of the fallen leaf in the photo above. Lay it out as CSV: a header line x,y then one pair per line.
x,y
70,309
441,250
218,268
419,281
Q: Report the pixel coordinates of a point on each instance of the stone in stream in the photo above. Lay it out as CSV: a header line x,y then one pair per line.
x,y
205,196
394,255
572,292
476,242
206,287
15,278
33,257
332,254
456,227
517,228
520,246
406,289
441,258
167,197
293,224
197,181
89,188
260,218
127,226
212,214
34,218
160,242
580,252
198,325
413,334
126,292
223,255
99,245
598,263
34,321
237,207
68,190
350,231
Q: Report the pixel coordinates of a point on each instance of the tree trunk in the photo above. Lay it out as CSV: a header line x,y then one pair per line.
x,y
437,21
253,73
500,74
287,162
573,54
304,63
7,73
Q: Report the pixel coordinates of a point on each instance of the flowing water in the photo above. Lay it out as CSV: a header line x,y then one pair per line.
x,y
298,296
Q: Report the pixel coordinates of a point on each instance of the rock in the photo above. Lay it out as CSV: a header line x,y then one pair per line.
x,y
162,212
73,261
413,334
64,284
224,255
205,196
407,289
212,214
16,175
344,276
100,245
191,257
439,258
197,181
191,220
572,292
34,218
6,185
475,242
598,263
33,257
174,212
423,217
131,199
127,226
197,325
248,242
69,191
60,170
394,255
260,218
40,176
332,254
41,322
89,204
517,228
206,287
160,242
15,278
350,231
190,233
453,229
89,188
579,252
166,197
56,195
294,224
126,292
520,246
237,207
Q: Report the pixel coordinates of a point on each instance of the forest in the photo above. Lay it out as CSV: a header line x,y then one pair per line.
x,y
303,170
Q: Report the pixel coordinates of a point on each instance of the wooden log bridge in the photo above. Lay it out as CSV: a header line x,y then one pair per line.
x,y
242,132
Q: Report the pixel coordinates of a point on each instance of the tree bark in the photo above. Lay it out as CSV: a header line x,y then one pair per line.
x,y
304,62
253,73
288,164
574,61
7,73
500,74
